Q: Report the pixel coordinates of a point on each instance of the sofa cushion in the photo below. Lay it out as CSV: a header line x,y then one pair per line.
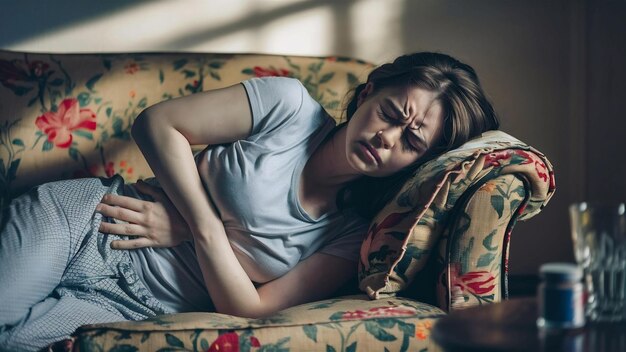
x,y
348,323
402,236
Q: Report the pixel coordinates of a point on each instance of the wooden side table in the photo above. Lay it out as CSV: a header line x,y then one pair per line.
x,y
512,326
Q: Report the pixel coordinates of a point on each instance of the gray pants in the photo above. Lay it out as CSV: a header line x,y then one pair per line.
x,y
57,272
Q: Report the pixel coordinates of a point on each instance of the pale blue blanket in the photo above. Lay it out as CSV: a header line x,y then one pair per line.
x,y
57,272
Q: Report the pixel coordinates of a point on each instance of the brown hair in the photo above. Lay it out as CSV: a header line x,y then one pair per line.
x,y
467,114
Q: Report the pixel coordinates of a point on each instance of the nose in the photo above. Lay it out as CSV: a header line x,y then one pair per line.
x,y
388,137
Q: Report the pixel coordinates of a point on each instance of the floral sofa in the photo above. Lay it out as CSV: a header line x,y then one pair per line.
x,y
440,245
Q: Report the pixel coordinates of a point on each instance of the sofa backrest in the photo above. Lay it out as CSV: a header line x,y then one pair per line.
x,y
69,115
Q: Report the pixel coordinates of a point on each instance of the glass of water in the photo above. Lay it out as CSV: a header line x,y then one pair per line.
x,y
599,236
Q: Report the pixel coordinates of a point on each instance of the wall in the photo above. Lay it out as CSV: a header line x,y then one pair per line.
x,y
552,68
606,116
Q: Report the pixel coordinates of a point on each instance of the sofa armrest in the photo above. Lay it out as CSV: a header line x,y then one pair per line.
x,y
472,260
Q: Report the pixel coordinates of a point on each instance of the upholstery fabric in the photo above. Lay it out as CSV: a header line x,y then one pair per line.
x,y
348,323
403,235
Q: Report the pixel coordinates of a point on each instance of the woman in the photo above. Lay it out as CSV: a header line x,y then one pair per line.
x,y
270,215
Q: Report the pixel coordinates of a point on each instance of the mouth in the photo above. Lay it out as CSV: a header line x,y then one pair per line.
x,y
372,152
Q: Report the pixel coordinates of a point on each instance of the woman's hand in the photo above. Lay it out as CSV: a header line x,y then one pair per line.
x,y
154,224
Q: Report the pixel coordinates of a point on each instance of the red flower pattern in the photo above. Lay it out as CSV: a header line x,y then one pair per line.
x,y
475,282
225,342
60,124
109,169
542,170
493,159
131,68
15,71
270,71
540,167
391,220
527,156
422,329
377,312
38,68
229,342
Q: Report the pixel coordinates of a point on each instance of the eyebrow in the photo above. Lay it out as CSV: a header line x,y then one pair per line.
x,y
398,111
395,108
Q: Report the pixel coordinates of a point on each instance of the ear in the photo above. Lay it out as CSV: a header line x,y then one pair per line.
x,y
369,88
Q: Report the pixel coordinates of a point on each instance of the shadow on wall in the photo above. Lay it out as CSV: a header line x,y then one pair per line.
x,y
255,20
30,18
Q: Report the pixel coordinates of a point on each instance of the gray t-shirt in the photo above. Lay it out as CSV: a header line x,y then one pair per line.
x,y
254,185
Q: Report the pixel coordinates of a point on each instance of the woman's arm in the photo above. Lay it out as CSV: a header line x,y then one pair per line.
x,y
164,133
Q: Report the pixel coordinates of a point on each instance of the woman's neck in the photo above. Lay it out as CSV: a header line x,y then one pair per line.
x,y
328,170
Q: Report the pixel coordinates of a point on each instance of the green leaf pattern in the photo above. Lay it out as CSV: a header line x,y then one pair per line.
x,y
315,78
397,324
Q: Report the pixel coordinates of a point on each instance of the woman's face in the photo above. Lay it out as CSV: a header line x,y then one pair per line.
x,y
392,128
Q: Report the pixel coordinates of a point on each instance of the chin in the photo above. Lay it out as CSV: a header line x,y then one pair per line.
x,y
360,166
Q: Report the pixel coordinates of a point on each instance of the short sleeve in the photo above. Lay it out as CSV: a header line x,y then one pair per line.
x,y
347,245
273,101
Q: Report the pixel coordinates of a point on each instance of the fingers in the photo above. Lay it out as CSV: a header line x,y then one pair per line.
x,y
124,202
119,213
140,242
122,229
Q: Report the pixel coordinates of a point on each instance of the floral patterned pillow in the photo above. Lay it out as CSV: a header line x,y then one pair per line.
x,y
404,233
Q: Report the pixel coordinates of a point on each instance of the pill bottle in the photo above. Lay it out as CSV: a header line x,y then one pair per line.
x,y
560,297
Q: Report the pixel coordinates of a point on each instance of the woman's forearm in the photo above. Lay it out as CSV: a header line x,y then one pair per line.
x,y
169,155
228,284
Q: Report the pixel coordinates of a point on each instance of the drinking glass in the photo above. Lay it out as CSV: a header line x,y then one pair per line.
x,y
599,236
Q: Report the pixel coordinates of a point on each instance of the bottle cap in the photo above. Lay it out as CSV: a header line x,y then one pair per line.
x,y
559,272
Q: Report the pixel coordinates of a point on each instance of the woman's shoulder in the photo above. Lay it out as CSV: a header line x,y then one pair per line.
x,y
284,87
278,102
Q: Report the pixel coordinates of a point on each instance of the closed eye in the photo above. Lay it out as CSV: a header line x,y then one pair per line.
x,y
418,141
384,116
410,142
